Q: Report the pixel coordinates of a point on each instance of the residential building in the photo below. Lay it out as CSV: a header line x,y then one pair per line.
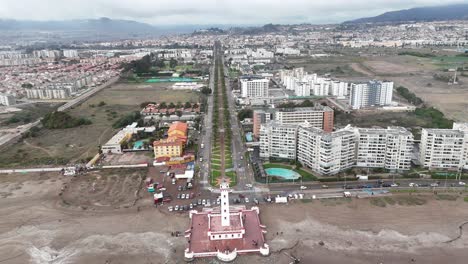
x,y
339,89
444,148
372,93
318,116
331,152
254,87
45,93
171,147
178,130
7,99
278,140
260,117
70,53
389,148
325,153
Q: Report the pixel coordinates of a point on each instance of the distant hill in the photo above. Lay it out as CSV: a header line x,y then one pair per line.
x,y
433,13
99,25
268,28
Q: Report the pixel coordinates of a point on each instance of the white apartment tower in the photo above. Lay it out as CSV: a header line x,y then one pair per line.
x,y
444,148
326,153
7,99
373,93
254,88
389,148
278,140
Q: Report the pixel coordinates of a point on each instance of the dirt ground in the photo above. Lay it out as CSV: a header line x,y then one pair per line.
x,y
416,74
105,189
37,227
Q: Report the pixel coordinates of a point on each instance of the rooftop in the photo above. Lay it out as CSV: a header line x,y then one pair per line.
x,y
200,242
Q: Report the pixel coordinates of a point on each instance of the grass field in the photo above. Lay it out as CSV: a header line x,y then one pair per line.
x,y
75,144
337,66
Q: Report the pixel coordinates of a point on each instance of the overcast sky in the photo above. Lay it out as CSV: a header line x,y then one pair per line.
x,y
237,12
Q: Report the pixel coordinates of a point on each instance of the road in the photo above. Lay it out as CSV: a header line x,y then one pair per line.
x,y
404,183
206,135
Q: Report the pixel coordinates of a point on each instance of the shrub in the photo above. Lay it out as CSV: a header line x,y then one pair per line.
x,y
61,120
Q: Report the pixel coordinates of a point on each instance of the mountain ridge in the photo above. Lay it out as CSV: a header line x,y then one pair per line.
x,y
418,14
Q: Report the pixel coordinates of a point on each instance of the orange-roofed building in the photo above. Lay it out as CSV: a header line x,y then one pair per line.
x,y
171,147
178,130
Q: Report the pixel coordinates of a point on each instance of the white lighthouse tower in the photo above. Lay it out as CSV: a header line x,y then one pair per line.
x,y
225,215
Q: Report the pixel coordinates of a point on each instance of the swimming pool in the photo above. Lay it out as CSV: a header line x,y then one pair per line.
x,y
283,173
138,145
248,137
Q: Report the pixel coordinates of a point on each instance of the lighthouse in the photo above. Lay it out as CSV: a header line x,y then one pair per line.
x,y
225,215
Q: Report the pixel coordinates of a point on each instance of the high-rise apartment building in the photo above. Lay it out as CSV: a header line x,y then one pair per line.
x,y
325,153
278,140
389,148
373,93
7,99
445,148
318,116
254,88
330,153
260,117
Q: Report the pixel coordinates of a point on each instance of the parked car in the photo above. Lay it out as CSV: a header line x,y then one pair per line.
x,y
303,187
386,185
324,186
247,200
191,206
462,183
255,200
412,184
434,184
179,188
199,202
176,208
394,185
170,208
203,201
183,196
179,196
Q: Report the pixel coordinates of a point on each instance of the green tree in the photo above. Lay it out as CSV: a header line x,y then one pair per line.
x,y
206,91
173,63
245,113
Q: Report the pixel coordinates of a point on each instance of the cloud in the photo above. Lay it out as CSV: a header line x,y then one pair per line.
x,y
172,12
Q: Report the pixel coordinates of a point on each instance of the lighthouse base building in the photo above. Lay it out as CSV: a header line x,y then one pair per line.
x,y
224,232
